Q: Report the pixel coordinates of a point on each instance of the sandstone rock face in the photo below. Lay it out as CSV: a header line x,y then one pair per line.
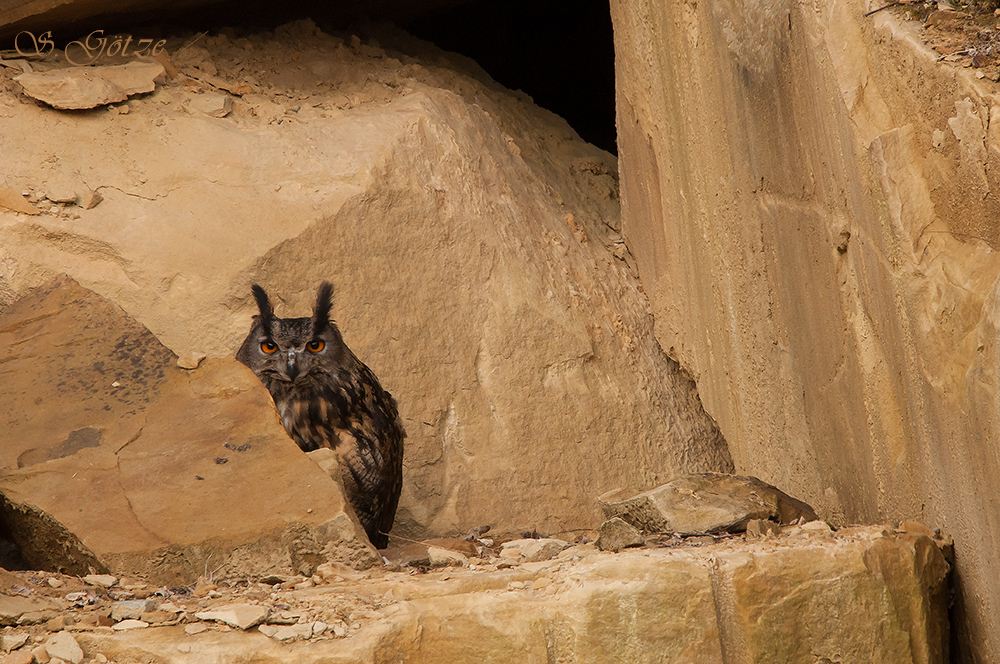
x,y
704,503
810,199
467,234
115,459
860,596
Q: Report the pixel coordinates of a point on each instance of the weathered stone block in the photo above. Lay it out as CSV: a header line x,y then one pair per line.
x,y
704,503
142,467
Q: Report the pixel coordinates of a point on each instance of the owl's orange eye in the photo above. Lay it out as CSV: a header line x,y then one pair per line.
x,y
316,345
268,347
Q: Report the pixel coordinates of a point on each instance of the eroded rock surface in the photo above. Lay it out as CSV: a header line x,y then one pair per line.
x,y
116,459
809,194
807,595
469,236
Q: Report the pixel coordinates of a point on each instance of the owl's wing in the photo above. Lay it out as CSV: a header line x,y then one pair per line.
x,y
368,438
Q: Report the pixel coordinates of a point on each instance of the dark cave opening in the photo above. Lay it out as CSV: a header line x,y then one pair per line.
x,y
559,52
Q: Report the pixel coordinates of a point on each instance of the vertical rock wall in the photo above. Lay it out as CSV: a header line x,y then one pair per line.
x,y
810,199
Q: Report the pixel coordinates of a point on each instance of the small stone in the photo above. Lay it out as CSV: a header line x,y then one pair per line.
x,y
617,534
34,617
916,528
190,360
55,209
157,617
40,654
284,618
213,105
129,624
89,199
304,585
102,580
339,629
439,557
56,624
13,641
410,555
62,195
195,628
241,616
268,630
817,527
18,657
760,528
319,627
100,659
515,585
132,609
532,550
65,647
55,583
331,572
287,633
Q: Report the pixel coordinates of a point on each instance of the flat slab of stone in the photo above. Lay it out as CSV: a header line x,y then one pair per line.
x,y
13,200
13,607
532,550
65,647
241,616
859,595
88,87
704,503
132,609
141,467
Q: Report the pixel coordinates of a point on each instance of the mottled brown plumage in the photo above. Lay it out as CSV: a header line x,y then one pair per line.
x,y
328,398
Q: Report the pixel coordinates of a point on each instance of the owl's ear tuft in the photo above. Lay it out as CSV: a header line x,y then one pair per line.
x,y
321,312
264,305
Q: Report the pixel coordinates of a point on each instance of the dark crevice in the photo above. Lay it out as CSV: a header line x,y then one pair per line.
x,y
34,540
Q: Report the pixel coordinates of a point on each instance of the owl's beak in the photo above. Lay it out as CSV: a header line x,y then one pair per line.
x,y
293,365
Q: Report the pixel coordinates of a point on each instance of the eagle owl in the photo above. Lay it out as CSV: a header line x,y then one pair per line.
x,y
328,398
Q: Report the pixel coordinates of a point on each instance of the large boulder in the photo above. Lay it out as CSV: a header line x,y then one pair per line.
x,y
470,237
114,458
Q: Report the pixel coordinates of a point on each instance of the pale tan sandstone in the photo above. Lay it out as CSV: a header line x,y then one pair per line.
x,y
858,596
810,198
87,87
523,359
141,467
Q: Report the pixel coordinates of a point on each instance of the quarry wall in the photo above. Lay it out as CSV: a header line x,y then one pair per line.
x,y
810,197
